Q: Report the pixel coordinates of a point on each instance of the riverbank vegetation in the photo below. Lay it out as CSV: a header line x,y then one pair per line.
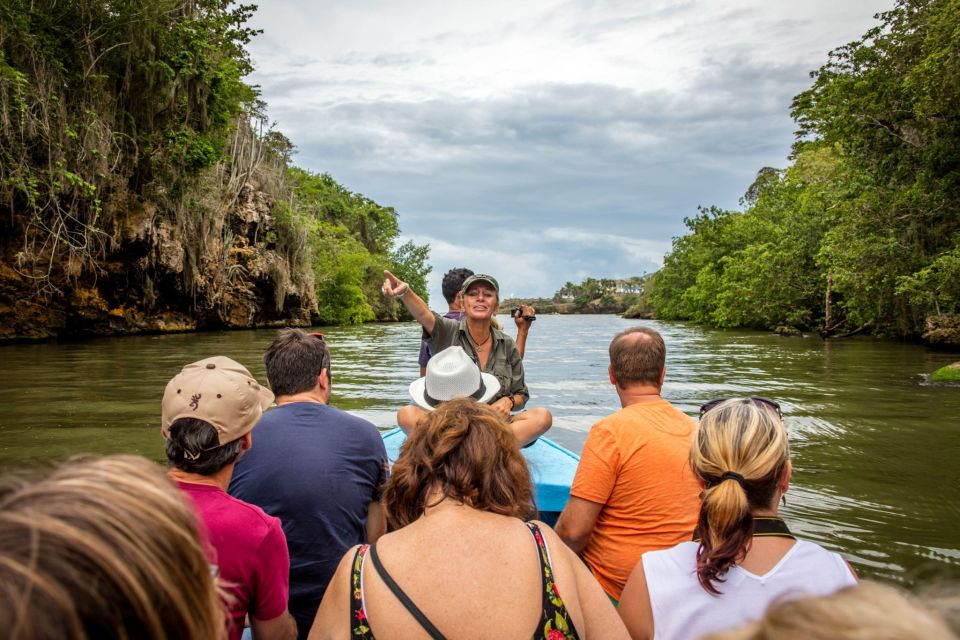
x,y
141,188
592,295
861,233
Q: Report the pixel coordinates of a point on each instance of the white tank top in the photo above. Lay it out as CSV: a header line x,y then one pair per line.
x,y
683,609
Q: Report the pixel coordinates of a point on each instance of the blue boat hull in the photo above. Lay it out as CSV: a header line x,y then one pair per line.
x,y
551,466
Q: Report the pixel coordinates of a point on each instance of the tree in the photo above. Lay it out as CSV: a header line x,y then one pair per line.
x,y
889,103
409,263
862,230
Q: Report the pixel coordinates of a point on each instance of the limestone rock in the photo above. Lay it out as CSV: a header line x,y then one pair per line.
x,y
943,329
787,330
157,274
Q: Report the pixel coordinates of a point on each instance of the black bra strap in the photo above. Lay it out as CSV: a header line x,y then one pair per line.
x,y
403,597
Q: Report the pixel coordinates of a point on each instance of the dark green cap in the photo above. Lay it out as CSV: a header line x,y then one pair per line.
x,y
480,277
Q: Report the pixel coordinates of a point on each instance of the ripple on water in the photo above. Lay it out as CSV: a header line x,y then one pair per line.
x,y
875,450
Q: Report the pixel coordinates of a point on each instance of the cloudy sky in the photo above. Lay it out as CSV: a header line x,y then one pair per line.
x,y
544,141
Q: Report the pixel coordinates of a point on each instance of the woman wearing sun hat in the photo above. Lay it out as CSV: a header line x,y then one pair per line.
x,y
494,351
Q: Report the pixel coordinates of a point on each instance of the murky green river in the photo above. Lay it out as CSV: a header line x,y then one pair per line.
x,y
876,450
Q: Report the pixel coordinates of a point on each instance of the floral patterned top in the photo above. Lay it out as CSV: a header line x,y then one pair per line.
x,y
555,622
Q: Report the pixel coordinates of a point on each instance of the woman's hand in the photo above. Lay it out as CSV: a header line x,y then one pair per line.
x,y
393,287
519,317
396,289
503,406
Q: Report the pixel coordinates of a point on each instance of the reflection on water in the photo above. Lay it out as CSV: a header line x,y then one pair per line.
x,y
875,449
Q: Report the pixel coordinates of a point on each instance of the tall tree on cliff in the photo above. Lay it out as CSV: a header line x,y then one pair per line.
x,y
140,186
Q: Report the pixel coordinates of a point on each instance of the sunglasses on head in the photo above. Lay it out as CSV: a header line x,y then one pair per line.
x,y
760,401
325,363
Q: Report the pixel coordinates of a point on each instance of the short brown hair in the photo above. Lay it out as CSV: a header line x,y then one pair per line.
x,y
103,548
294,360
466,451
194,447
637,354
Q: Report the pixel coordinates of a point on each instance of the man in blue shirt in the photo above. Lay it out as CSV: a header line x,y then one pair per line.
x,y
318,469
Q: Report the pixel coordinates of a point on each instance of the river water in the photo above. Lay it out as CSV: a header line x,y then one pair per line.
x,y
875,448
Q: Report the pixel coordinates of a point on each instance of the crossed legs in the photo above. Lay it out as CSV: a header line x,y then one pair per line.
x,y
527,425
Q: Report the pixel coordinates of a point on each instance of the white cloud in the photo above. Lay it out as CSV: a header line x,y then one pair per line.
x,y
545,140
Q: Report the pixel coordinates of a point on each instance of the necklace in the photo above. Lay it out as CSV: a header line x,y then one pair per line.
x,y
764,527
481,342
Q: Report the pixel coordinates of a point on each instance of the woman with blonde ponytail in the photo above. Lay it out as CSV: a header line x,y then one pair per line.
x,y
742,556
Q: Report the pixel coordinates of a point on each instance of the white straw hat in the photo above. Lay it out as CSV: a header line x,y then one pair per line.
x,y
452,374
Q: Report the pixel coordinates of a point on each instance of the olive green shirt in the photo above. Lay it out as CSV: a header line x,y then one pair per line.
x,y
504,361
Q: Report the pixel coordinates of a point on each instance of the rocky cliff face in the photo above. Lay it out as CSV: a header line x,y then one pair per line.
x,y
155,275
943,330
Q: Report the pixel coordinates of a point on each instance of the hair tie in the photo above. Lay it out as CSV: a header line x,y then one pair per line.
x,y
732,475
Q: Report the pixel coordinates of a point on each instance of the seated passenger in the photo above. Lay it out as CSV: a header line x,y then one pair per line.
x,y
452,374
317,468
103,548
462,562
494,351
743,556
208,411
633,491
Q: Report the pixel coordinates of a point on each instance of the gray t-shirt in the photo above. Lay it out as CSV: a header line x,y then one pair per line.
x,y
504,361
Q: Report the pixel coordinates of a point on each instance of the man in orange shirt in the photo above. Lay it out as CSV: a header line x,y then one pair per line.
x,y
634,490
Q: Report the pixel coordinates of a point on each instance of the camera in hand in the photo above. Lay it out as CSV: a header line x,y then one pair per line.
x,y
517,311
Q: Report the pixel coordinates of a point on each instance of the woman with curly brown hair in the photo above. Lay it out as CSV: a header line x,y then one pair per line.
x,y
743,556
463,561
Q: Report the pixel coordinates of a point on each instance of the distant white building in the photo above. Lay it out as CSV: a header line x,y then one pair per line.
x,y
630,285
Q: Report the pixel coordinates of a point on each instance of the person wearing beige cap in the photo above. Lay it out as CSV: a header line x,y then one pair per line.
x,y
208,412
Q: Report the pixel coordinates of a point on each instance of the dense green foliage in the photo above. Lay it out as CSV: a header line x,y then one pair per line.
x,y
349,242
949,373
113,106
863,230
99,100
605,292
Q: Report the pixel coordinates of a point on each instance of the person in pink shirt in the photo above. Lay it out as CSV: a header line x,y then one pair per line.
x,y
209,409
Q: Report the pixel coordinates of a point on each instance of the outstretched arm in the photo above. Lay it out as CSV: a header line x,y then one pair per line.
x,y
394,288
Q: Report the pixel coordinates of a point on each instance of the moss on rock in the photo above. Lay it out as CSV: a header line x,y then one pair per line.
x,y
949,373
